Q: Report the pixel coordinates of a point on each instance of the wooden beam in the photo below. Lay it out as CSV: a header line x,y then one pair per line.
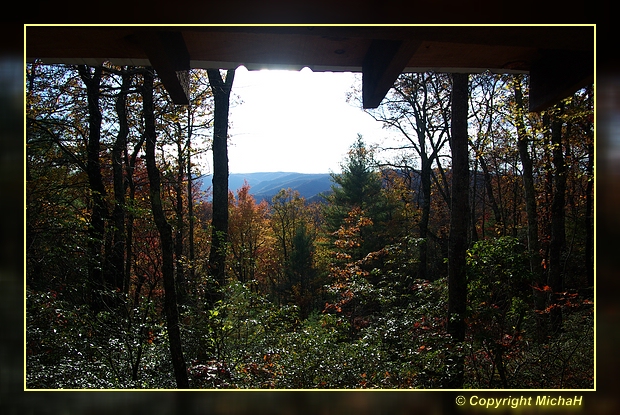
x,y
384,61
169,57
557,75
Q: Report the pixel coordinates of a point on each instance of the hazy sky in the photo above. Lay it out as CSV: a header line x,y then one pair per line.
x,y
296,121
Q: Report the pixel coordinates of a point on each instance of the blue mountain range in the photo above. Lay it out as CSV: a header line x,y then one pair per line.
x,y
264,186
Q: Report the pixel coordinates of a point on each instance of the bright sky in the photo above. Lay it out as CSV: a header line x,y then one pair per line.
x,y
296,121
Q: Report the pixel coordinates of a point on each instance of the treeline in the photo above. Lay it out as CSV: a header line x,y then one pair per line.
x,y
130,286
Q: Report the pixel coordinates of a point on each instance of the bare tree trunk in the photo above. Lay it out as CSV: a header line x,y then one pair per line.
x,y
178,238
459,216
425,180
96,263
217,256
531,210
473,219
130,164
120,145
488,184
165,233
558,223
589,216
190,198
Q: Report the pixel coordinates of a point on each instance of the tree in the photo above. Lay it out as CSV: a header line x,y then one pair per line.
x,y
533,245
301,273
558,219
589,203
117,260
360,186
487,99
459,216
185,127
305,296
64,122
290,221
57,191
196,124
418,108
499,291
247,232
217,257
98,272
165,232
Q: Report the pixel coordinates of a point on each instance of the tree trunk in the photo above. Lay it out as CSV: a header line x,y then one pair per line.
x,y
190,198
425,180
129,228
488,184
558,220
531,211
589,216
473,219
165,233
178,238
217,256
459,216
96,263
118,249
130,166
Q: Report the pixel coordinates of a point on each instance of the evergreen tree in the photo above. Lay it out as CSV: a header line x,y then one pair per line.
x,y
300,270
359,186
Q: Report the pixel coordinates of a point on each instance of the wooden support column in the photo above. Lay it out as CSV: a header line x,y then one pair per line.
x,y
384,61
169,57
558,74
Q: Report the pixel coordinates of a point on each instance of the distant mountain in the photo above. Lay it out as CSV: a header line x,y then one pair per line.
x,y
267,185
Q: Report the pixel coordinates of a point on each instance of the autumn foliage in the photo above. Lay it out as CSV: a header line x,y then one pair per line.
x,y
347,292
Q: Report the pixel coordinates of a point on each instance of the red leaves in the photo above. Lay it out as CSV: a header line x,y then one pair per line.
x,y
423,324
545,288
346,297
349,233
565,300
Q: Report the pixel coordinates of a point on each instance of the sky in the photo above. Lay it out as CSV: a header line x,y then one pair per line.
x,y
294,121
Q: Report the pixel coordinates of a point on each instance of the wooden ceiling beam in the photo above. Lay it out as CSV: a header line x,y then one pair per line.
x,y
384,61
558,74
559,59
168,55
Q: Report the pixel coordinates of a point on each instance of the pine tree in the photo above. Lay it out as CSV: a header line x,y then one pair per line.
x,y
359,186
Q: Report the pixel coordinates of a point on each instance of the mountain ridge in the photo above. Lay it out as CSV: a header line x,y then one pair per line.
x,y
265,185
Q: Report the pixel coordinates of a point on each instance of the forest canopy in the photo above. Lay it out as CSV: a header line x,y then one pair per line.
x,y
132,282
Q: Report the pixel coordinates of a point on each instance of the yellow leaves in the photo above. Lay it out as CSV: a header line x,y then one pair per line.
x,y
343,256
346,244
